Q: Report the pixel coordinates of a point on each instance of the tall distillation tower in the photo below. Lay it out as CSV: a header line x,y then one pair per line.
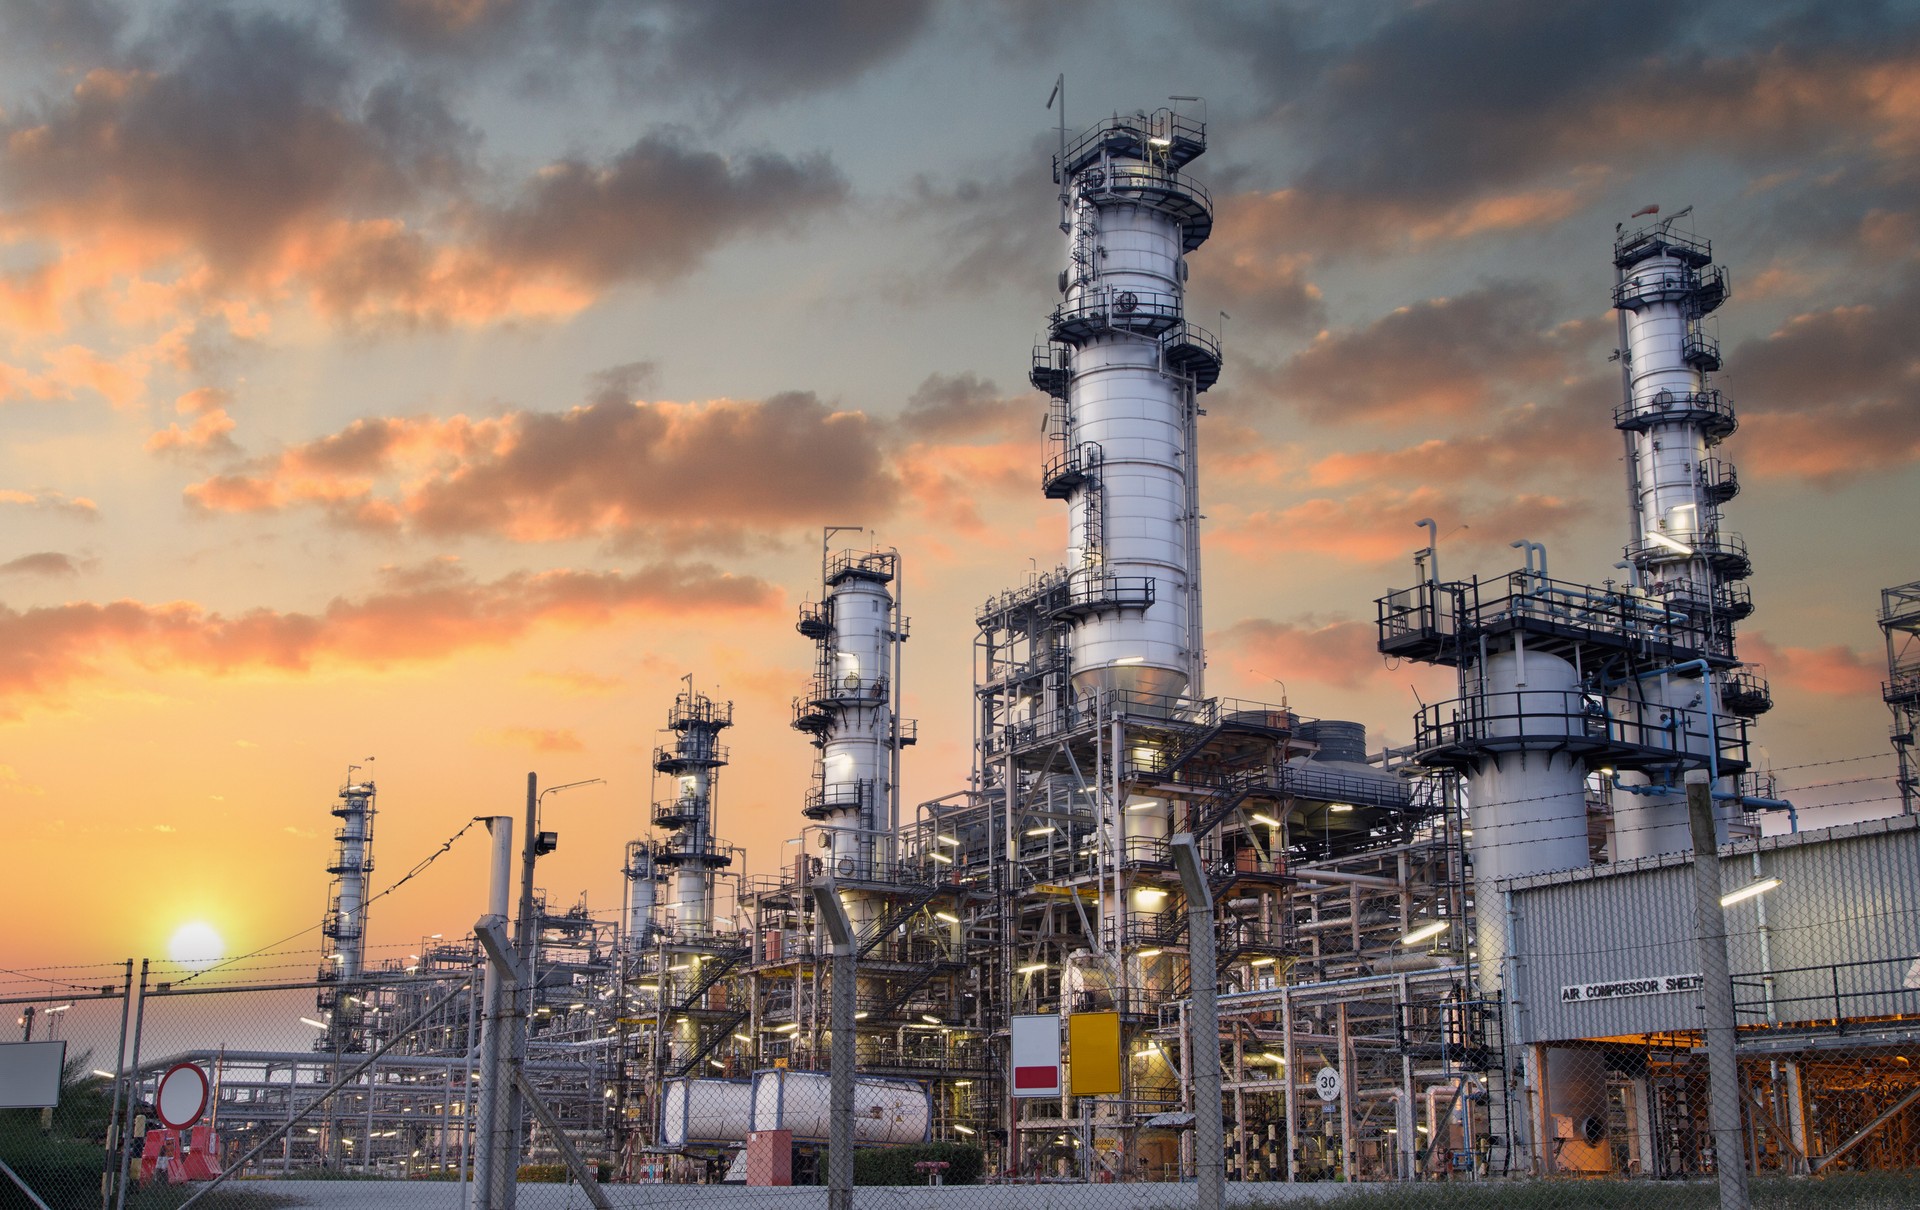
x,y
1123,368
851,710
343,971
691,762
1672,422
1568,690
1900,622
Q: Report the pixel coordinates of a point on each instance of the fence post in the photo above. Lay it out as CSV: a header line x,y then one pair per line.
x,y
1717,1019
131,1074
114,1123
1203,985
833,914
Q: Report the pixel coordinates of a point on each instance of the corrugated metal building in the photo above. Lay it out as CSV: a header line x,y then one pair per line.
x,y
1603,985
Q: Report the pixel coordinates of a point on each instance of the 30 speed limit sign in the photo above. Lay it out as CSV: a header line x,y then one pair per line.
x,y
1326,1082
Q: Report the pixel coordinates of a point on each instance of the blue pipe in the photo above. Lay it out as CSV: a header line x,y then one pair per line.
x,y
1713,720
1745,800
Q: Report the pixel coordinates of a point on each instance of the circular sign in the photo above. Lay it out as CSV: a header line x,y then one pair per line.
x,y
181,1096
1326,1082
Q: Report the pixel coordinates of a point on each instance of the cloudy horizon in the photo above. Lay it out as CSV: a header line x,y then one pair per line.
x,y
444,379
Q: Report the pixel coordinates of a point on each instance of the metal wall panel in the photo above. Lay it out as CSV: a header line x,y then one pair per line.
x,y
1839,937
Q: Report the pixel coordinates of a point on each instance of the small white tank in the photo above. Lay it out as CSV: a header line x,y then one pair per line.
x,y
884,1110
694,1112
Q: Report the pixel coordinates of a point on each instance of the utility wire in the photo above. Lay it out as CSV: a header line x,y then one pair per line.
x,y
405,878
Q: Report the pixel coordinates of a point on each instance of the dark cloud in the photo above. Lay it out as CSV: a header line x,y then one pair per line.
x,y
1439,358
748,51
993,230
65,31
635,473
1832,393
655,210
965,406
731,53
1443,98
229,132
42,563
254,143
623,383
1427,121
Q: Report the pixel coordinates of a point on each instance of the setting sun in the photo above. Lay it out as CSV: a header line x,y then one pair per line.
x,y
196,944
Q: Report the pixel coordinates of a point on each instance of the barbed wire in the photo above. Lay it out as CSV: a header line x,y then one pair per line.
x,y
273,947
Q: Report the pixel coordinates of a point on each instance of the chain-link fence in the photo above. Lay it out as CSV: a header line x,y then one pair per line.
x,y
1659,1032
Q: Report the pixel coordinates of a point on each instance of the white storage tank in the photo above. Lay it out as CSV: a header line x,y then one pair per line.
x,y
884,1110
694,1112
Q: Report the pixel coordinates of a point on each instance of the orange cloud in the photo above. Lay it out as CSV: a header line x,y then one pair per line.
x,y
209,431
576,681
248,167
542,739
1338,655
1441,357
1835,670
423,614
675,472
1377,526
1286,229
1833,393
51,502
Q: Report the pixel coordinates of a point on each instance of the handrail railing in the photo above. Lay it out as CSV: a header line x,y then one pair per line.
x,y
1832,995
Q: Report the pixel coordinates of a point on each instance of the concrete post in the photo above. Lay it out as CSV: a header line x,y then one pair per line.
x,y
1203,980
489,1131
1716,995
833,914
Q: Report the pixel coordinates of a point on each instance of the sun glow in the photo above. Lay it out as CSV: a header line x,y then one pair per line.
x,y
196,945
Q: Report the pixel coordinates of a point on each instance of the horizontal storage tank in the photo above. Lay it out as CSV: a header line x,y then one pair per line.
x,y
884,1110
696,1112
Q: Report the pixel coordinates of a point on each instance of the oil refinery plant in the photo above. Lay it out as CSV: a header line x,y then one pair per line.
x,y
1429,922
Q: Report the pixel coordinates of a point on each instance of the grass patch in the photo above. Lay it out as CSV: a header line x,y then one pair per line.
x,y
1842,1191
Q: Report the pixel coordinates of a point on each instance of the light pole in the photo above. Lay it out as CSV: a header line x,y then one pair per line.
x,y
525,938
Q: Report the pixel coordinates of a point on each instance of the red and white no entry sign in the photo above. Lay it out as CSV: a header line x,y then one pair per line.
x,y
181,1096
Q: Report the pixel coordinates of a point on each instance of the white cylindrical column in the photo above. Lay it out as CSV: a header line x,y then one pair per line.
x,y
856,746
641,892
1124,460
353,853
690,852
1130,524
1668,453
1528,807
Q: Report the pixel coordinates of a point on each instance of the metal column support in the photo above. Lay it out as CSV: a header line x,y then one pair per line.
x,y
833,914
1203,980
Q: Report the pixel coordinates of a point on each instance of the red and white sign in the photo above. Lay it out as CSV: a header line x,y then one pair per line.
x,y
1036,1055
181,1096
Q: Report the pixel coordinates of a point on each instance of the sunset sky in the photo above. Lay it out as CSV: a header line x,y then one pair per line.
x,y
441,380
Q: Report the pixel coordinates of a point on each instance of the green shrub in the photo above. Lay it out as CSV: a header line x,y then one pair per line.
x,y
557,1174
66,1172
894,1165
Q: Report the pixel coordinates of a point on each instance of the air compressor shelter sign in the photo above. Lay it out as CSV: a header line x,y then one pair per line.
x,y
1621,989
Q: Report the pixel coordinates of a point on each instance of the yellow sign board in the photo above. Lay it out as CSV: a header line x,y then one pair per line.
x,y
1093,1054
